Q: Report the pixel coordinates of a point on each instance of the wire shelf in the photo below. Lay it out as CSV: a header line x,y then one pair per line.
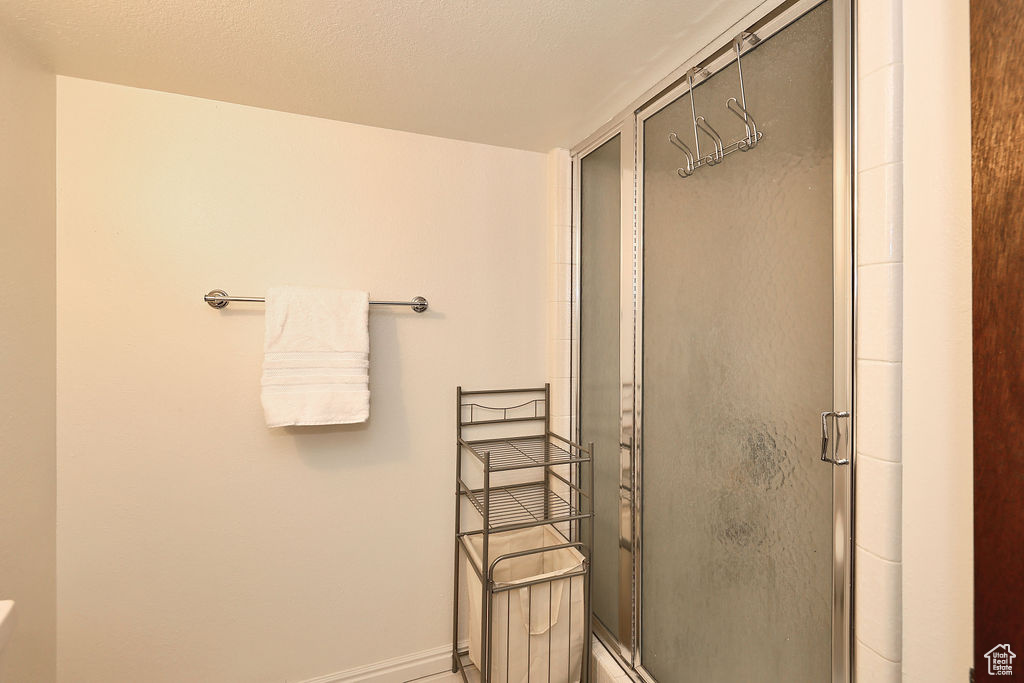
x,y
518,506
550,488
524,452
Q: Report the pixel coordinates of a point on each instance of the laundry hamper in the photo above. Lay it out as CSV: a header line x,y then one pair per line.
x,y
537,611
523,538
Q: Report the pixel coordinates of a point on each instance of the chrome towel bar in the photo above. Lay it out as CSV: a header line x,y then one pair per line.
x,y
218,298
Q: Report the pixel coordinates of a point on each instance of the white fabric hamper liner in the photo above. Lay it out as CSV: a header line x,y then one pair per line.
x,y
549,647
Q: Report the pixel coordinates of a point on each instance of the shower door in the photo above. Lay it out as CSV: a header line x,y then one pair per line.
x,y
600,206
732,560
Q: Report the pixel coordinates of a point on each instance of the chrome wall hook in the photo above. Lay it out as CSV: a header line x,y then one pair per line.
x,y
687,170
753,134
719,153
693,113
740,107
700,123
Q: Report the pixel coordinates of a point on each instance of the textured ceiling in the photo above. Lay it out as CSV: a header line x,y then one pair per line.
x,y
533,74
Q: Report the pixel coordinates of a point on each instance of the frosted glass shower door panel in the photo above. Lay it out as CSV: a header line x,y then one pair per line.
x,y
600,203
737,367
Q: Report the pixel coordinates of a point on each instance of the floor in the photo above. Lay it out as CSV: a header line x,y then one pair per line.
x,y
447,677
606,670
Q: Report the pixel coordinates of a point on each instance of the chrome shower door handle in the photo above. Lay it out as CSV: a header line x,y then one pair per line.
x,y
825,457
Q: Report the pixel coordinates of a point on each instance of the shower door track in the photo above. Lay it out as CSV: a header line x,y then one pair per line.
x,y
765,21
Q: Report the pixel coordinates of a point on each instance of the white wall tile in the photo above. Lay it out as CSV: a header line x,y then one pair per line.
x,y
560,349
563,329
560,426
879,486
564,212
559,288
561,285
551,276
878,409
879,337
553,214
880,117
563,244
880,219
558,320
879,30
877,607
559,361
560,401
559,206
563,196
563,167
552,167
872,667
880,312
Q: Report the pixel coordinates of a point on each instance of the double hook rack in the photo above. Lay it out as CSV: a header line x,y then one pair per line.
x,y
701,125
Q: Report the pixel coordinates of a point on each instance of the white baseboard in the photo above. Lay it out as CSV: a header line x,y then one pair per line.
x,y
397,669
438,660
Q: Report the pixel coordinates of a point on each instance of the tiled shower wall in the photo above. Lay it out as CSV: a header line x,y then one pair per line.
x,y
560,252
879,352
879,182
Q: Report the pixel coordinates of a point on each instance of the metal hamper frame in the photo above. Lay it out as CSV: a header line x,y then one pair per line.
x,y
553,461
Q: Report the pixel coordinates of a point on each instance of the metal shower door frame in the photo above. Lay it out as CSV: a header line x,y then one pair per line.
x,y
626,131
765,22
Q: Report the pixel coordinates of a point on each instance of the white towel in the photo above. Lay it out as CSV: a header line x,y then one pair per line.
x,y
316,357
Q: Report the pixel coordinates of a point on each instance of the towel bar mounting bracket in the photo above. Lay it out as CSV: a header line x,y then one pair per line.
x,y
217,298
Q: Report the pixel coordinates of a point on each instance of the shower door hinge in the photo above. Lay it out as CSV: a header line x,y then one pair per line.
x,y
837,434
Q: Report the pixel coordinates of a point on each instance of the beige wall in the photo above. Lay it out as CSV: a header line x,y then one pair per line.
x,y
27,456
937,410
195,544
